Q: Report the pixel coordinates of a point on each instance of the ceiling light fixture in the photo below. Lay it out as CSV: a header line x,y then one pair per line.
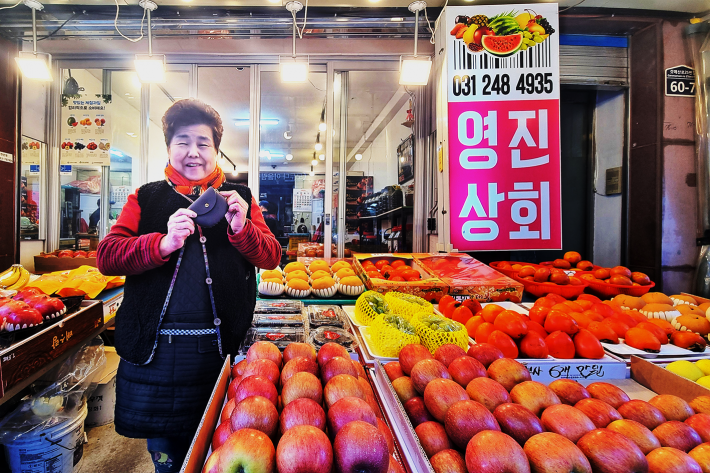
x,y
397,19
289,157
415,70
358,157
322,126
287,134
321,157
294,70
312,173
150,68
32,64
234,172
318,146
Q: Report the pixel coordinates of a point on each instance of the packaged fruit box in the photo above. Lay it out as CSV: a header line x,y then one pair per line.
x,y
62,260
468,277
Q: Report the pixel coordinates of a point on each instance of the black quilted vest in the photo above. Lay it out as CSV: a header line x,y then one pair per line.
x,y
233,279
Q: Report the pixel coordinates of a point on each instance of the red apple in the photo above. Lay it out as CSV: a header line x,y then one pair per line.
x,y
298,365
425,371
610,452
517,421
672,407
701,454
464,419
302,411
212,463
360,448
671,460
238,369
372,402
608,393
264,350
404,387
301,385
440,394
409,355
366,388
233,385
448,461
340,386
328,351
508,372
304,448
227,410
535,396
599,412
394,466
464,368
432,437
255,412
338,365
296,349
701,424
485,353
566,421
494,452
256,386
265,368
349,409
416,411
701,404
488,392
569,391
549,452
247,450
642,412
637,433
393,370
223,431
358,367
678,435
385,430
448,353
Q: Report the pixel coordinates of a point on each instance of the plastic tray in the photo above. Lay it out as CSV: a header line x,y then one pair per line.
x,y
509,272
365,335
549,263
623,350
318,315
278,307
611,290
568,291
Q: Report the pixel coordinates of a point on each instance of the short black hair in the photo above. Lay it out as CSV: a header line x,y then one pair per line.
x,y
188,112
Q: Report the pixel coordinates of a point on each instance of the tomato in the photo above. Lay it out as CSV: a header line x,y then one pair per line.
x,y
461,314
483,332
374,275
398,263
504,343
411,273
490,312
472,325
560,345
642,340
413,279
511,324
559,321
444,302
381,263
533,346
473,305
587,345
397,278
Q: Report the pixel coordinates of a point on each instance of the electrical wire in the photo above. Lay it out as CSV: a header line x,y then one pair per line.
x,y
305,18
436,23
60,27
115,24
575,5
12,6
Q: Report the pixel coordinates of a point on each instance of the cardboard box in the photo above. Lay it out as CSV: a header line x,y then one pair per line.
x,y
102,401
50,264
662,381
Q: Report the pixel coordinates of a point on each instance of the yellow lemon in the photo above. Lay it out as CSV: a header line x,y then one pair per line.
x,y
686,369
704,381
704,365
468,35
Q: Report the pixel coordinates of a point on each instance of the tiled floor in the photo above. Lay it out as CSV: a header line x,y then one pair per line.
x,y
108,452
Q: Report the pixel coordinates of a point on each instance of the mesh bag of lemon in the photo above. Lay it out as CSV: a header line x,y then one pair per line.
x,y
436,330
368,306
390,332
407,305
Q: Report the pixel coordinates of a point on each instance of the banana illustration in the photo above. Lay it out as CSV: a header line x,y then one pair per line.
x,y
10,277
22,281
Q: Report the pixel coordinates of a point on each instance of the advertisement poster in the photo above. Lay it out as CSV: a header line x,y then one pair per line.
x,y
504,127
30,151
86,132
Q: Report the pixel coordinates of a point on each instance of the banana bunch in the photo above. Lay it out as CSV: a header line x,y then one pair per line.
x,y
15,278
504,24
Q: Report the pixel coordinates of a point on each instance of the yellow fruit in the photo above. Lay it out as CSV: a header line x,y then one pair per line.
x,y
535,28
468,35
704,365
685,369
704,381
523,19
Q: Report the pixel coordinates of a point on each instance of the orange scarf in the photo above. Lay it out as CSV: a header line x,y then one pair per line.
x,y
188,187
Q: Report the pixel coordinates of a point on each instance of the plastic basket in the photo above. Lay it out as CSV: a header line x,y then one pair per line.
x,y
433,339
537,289
510,272
387,339
549,264
365,314
407,305
611,290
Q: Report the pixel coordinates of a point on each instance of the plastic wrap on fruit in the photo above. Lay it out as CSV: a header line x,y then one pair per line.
x,y
399,323
19,315
377,303
441,324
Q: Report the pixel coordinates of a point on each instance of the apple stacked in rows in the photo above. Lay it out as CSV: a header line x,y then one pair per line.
x,y
301,412
504,422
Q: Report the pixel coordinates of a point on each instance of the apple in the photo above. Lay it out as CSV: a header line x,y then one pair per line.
x,y
566,421
349,409
360,448
360,370
238,369
212,463
297,365
440,394
385,430
610,452
701,454
599,412
265,368
416,411
297,349
409,355
642,412
517,421
301,385
549,452
569,392
338,365
448,461
223,431
701,424
256,385
432,437
488,392
448,353
464,419
366,388
535,396
227,410
404,387
394,466
393,370
247,450
264,350
637,433
465,368
701,404
678,435
233,385
372,402
425,371
672,407
494,452
328,351
485,353
608,393
340,386
302,411
304,448
671,460
255,412
508,372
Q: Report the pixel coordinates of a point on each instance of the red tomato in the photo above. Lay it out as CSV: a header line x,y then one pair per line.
x,y
397,278
411,273
398,263
381,263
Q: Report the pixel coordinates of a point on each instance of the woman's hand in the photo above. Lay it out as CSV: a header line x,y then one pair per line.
x,y
180,226
237,213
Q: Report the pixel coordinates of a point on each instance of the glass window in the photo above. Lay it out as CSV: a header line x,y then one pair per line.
x,y
33,152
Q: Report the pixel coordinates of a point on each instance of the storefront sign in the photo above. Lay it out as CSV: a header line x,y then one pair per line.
x,y
65,169
504,127
86,131
680,81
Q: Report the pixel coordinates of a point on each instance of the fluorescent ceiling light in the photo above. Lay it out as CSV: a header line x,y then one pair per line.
x,y
277,155
397,19
150,69
262,122
342,19
35,65
289,157
415,71
264,154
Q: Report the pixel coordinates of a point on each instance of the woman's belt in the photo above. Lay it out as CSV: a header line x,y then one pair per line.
x,y
176,332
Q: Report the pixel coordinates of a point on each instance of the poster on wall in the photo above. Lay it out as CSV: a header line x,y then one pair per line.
x,y
30,151
405,160
86,132
504,127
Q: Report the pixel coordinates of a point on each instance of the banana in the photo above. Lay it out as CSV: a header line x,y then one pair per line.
x,y
22,281
10,277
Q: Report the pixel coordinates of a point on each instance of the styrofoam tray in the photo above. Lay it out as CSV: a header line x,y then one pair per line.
x,y
365,335
350,310
622,349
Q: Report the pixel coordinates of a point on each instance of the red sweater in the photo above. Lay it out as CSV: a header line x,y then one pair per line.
x,y
124,252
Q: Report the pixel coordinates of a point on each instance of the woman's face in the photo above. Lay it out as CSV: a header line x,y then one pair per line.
x,y
192,151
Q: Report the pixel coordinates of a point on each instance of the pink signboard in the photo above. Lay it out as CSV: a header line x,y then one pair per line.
x,y
504,128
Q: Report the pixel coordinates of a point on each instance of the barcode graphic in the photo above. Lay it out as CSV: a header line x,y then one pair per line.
x,y
537,56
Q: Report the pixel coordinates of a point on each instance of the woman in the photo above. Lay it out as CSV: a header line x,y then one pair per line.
x,y
190,291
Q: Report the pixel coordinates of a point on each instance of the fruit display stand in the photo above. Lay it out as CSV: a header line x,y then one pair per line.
x,y
112,300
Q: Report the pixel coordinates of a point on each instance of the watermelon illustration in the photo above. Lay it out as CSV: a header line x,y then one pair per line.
x,y
502,46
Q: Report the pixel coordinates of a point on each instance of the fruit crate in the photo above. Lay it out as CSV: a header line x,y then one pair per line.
x,y
49,263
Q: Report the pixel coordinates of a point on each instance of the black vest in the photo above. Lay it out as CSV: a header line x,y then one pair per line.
x,y
233,279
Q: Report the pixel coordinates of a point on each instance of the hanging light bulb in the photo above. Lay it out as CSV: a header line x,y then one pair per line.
x,y
319,146
34,65
358,157
321,157
294,71
415,70
234,172
150,68
314,162
322,126
289,157
312,173
222,162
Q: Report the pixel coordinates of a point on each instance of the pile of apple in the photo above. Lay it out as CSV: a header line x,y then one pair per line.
x,y
619,276
483,414
318,410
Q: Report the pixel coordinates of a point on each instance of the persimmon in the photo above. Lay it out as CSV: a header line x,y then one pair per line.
x,y
473,305
587,345
504,343
381,263
603,332
664,324
560,345
533,346
573,257
559,321
483,332
444,303
472,325
562,264
588,297
620,271
601,273
398,263
490,312
585,265
536,327
538,314
584,304
526,271
640,278
642,340
512,324
541,275
461,314
582,319
617,326
656,331
689,340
